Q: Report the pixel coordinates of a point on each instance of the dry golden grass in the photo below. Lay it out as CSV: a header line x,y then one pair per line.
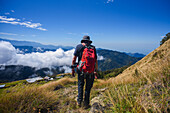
x,y
25,98
65,74
143,96
144,86
152,95
31,97
150,65
99,83
53,84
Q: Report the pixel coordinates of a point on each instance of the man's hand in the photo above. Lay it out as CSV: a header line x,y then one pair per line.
x,y
73,62
73,71
95,74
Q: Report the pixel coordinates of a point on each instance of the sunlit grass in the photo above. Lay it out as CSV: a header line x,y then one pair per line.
x,y
32,97
143,87
52,85
19,82
148,95
26,98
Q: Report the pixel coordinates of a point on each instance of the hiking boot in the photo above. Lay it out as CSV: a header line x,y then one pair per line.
x,y
87,106
79,104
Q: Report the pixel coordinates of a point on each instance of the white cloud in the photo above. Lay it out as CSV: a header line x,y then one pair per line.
x,y
29,24
108,1
66,68
6,19
15,21
8,22
100,57
12,11
7,52
1,33
40,28
10,56
7,13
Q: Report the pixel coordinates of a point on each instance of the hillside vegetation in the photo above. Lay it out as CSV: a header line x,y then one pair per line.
x,y
151,65
141,88
114,59
144,86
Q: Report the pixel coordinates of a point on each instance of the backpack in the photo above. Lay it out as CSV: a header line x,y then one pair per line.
x,y
88,60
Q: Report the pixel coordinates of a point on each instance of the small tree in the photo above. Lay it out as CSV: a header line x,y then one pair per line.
x,y
165,38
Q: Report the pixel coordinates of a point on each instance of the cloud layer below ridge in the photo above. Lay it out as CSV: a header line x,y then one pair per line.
x,y
9,56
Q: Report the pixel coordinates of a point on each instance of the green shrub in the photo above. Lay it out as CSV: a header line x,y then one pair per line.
x,y
167,37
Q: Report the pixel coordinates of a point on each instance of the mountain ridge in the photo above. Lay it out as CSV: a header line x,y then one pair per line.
x,y
138,55
114,59
34,44
151,64
20,44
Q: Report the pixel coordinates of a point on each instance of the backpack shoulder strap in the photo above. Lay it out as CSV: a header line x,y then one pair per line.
x,y
82,49
90,47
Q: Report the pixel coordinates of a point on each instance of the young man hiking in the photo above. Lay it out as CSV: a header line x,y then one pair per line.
x,y
86,69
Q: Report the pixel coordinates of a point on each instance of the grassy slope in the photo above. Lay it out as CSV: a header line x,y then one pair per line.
x,y
152,64
143,87
33,97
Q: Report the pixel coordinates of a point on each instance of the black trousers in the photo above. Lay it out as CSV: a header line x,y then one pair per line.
x,y
89,78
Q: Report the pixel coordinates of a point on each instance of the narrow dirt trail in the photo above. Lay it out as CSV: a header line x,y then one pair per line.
x,y
97,104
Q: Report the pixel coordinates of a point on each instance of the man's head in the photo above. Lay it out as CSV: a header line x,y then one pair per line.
x,y
86,40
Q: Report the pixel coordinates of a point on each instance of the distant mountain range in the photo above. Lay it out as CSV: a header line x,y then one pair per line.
x,y
35,44
28,47
19,72
138,55
114,59
111,59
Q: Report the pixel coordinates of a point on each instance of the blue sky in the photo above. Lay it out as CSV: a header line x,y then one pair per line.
x,y
122,25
